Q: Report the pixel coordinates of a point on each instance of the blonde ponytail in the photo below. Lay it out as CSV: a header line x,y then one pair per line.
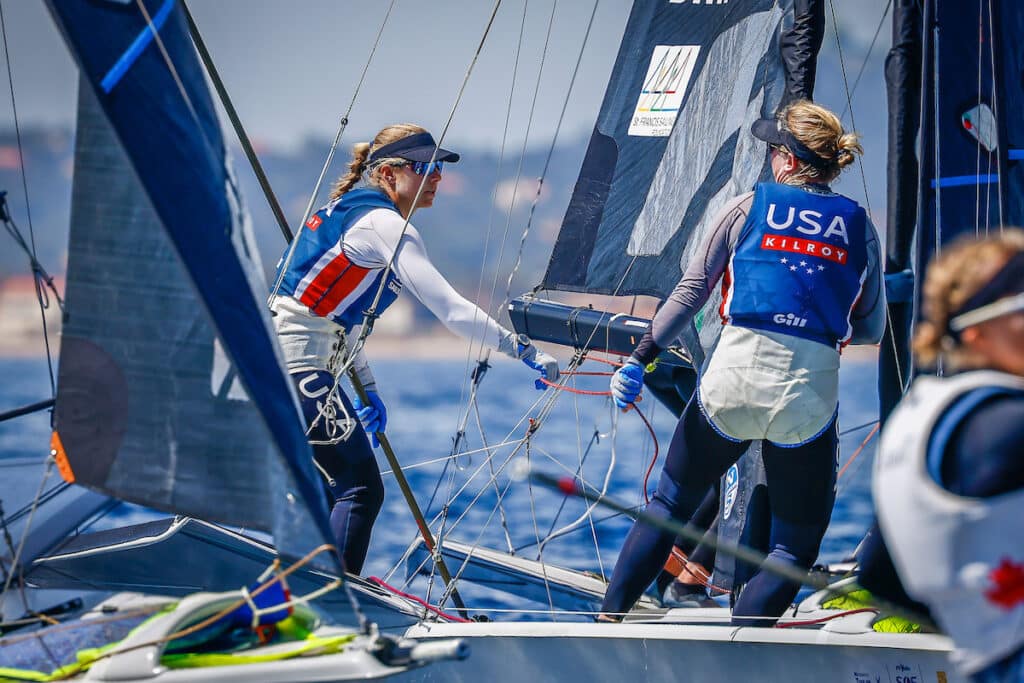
x,y
360,152
952,278
820,131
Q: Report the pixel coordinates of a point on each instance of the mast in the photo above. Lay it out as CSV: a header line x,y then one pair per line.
x,y
953,74
903,88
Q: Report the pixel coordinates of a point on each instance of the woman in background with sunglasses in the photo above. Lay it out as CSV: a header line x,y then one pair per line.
x,y
358,250
949,475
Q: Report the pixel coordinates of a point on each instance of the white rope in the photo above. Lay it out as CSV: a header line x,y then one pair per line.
x,y
483,352
446,458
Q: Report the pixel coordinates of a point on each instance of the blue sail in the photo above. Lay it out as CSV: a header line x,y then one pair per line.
x,y
970,176
972,137
147,410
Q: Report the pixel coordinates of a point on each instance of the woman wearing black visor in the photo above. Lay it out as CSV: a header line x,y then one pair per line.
x,y
800,280
358,253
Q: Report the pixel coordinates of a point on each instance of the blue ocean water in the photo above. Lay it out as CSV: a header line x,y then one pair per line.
x,y
479,501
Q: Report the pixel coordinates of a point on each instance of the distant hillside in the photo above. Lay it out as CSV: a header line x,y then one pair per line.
x,y
455,230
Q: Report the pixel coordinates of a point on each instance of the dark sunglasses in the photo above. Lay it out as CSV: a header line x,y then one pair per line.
x,y
426,167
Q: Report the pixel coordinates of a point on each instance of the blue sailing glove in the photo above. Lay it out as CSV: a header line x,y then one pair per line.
x,y
627,382
374,416
542,362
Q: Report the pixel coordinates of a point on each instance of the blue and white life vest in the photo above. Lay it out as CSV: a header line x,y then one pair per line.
x,y
949,550
321,276
799,265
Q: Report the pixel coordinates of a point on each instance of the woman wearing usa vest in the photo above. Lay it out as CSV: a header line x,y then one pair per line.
x,y
800,280
359,250
949,476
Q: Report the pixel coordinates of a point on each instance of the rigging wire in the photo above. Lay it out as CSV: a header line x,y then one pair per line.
x,y
859,450
483,354
995,108
849,99
490,465
535,424
423,603
371,313
522,153
41,278
15,566
363,622
867,56
547,162
978,146
860,162
551,150
343,124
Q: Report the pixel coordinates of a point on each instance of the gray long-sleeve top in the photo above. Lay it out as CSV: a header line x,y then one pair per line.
x,y
706,268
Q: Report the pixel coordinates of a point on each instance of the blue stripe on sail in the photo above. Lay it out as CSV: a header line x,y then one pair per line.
x,y
961,180
178,154
135,49
1015,154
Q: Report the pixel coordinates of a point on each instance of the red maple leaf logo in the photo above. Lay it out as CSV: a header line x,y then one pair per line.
x,y
1007,584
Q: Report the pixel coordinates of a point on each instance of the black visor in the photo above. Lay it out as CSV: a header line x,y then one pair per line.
x,y
418,147
772,132
1008,282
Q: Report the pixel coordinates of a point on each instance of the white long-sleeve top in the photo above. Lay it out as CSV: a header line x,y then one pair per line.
x,y
309,341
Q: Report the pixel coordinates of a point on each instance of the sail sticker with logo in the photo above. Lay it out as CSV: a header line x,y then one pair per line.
x,y
980,124
732,485
664,87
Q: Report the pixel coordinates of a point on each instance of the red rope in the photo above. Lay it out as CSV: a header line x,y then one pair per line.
x,y
822,620
606,361
584,392
860,448
654,458
695,570
562,387
419,601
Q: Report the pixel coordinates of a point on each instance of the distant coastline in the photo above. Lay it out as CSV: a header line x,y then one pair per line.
x,y
435,344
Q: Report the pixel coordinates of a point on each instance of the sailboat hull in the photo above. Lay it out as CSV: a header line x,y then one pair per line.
x,y
677,652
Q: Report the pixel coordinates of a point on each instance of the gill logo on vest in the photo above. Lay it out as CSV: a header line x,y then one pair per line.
x,y
810,222
395,286
789,319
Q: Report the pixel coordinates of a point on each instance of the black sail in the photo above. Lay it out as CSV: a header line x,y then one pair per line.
x,y
672,142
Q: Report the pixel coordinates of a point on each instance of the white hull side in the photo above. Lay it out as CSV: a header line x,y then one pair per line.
x,y
649,653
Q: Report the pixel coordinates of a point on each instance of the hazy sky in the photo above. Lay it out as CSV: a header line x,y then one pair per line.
x,y
292,66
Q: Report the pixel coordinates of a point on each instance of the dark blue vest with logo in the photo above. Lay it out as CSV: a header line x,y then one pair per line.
x,y
798,266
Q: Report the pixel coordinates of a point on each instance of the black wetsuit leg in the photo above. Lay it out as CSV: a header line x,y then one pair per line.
x,y
353,477
697,456
801,485
703,521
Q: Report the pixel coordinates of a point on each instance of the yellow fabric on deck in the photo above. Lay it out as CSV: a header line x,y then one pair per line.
x,y
862,598
19,675
312,645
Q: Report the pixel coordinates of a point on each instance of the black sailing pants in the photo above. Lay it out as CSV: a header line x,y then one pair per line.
x,y
801,486
354,486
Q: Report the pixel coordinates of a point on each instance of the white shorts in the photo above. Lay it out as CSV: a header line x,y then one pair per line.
x,y
767,385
